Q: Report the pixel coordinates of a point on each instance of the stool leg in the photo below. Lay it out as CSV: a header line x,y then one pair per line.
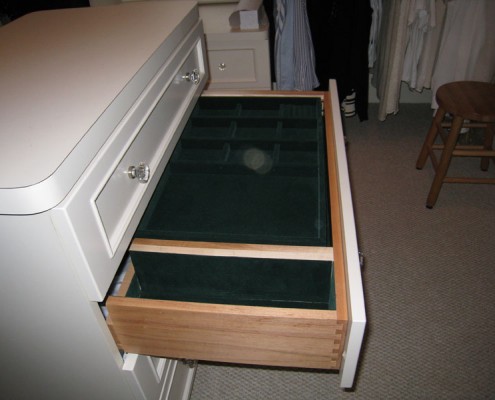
x,y
444,163
430,138
487,145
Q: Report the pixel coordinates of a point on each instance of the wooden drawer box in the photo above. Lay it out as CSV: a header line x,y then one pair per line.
x,y
240,255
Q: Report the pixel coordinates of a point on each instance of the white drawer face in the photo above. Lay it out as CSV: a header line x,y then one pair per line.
x,y
122,192
96,225
239,64
232,66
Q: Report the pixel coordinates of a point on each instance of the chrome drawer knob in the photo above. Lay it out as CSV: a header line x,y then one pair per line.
x,y
192,76
141,172
222,66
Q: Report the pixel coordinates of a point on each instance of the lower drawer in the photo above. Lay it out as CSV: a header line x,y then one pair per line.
x,y
158,378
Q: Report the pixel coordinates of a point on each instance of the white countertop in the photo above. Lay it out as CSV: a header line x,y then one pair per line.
x,y
59,71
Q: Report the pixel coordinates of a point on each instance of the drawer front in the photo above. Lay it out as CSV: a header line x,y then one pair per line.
x,y
239,64
125,187
228,66
226,333
97,224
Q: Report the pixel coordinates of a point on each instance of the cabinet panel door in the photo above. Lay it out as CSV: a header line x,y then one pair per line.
x,y
238,64
153,378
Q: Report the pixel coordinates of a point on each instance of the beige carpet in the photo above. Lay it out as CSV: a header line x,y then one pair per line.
x,y
429,282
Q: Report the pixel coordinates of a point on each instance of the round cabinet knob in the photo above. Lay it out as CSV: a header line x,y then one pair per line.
x,y
192,76
222,66
141,172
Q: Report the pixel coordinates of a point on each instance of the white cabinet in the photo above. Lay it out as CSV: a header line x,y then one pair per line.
x,y
85,98
237,59
91,112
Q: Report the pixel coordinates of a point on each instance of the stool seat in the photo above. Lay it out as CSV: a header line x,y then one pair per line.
x,y
470,100
469,104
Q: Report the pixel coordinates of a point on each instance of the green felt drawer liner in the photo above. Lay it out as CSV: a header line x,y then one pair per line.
x,y
231,280
246,170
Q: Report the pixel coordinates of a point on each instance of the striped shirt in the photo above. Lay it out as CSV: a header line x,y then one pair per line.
x,y
294,52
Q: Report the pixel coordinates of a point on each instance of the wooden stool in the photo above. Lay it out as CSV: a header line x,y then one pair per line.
x,y
469,104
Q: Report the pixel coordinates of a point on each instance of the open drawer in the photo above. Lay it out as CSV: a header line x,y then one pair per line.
x,y
241,255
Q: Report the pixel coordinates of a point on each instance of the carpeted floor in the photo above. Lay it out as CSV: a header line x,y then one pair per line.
x,y
429,281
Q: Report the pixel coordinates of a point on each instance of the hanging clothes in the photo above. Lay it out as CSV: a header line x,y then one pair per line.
x,y
420,20
340,30
392,42
376,19
430,48
460,46
407,49
293,49
467,48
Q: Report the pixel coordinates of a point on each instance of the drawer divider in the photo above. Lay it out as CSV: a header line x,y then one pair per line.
x,y
220,249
